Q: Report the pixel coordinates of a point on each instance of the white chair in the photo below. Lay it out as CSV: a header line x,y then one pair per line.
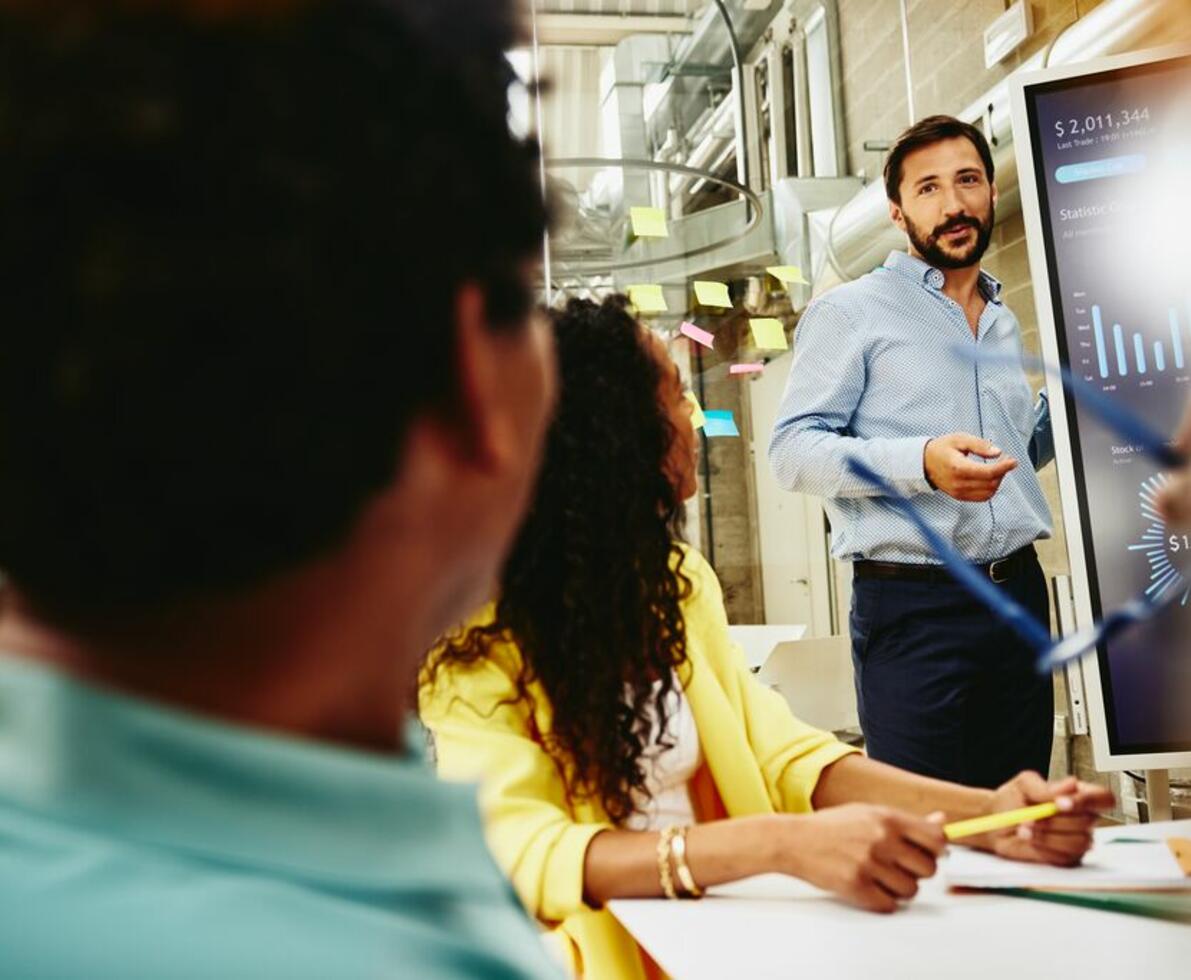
x,y
815,678
758,642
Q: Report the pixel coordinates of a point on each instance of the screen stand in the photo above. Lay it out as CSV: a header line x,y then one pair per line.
x,y
1158,794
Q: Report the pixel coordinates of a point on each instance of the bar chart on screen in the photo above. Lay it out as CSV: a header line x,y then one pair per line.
x,y
1113,351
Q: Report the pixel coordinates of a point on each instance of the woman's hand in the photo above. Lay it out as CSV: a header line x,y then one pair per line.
x,y
1062,840
871,855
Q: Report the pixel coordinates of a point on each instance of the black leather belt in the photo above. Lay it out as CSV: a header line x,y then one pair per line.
x,y
1001,570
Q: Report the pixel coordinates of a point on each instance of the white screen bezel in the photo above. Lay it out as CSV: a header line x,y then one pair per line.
x,y
1105,758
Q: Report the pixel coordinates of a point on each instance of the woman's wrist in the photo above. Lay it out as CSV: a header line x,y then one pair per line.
x,y
784,836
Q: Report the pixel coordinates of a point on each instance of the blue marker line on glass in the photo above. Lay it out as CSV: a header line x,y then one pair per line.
x,y
1015,615
1109,411
1051,654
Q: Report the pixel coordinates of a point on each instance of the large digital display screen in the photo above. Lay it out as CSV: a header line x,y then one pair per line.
x,y
1112,165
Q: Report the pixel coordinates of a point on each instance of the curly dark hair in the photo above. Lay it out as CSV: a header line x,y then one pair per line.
x,y
228,285
591,594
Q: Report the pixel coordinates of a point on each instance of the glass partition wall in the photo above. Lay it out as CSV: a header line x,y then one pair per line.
x,y
690,152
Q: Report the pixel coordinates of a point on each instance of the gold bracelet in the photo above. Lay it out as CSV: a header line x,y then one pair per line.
x,y
665,876
678,854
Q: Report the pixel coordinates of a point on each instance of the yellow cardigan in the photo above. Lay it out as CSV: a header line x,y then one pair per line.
x,y
758,758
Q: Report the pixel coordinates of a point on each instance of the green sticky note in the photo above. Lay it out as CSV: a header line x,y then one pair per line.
x,y
787,274
712,294
649,222
647,298
698,419
768,334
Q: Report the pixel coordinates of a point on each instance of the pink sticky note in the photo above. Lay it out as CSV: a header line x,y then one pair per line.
x,y
698,335
756,368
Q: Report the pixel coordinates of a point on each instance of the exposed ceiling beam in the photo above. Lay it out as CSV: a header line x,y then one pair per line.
x,y
602,29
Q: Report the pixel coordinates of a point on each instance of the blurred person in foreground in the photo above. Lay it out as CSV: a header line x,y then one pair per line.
x,y
265,431
605,708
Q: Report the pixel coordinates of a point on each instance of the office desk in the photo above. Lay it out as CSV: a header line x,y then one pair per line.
x,y
772,926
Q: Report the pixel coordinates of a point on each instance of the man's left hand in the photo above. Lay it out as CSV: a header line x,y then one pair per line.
x,y
1061,840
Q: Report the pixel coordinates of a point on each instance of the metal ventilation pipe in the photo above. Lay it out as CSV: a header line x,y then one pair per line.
x,y
862,235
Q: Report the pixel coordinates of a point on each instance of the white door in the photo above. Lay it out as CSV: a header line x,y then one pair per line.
x,y
796,568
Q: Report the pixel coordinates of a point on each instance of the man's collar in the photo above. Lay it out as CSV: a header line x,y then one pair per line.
x,y
915,268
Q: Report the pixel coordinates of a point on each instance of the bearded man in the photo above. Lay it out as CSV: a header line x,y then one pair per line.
x,y
943,687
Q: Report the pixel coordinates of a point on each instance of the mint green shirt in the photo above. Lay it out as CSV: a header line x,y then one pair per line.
x,y
136,841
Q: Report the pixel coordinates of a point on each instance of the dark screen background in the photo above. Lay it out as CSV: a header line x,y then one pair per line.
x,y
1121,128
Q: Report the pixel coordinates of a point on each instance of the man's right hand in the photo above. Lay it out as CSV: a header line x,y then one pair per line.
x,y
949,469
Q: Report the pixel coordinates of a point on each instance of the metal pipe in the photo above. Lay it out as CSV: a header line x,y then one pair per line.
x,y
802,106
752,209
906,62
537,95
861,232
742,162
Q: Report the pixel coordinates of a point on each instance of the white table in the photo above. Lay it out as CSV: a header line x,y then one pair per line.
x,y
773,926
758,642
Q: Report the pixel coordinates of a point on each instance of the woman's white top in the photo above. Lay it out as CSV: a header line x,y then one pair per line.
x,y
669,770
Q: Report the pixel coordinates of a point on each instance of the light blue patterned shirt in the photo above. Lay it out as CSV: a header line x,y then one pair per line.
x,y
875,375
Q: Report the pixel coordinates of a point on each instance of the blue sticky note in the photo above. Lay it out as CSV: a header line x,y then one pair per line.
x,y
720,424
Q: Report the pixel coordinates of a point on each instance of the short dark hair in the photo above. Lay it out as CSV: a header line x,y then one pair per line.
x,y
231,249
932,129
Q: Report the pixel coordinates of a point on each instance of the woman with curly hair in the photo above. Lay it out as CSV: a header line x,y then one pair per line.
x,y
622,746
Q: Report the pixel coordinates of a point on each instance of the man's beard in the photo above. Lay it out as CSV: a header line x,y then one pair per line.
x,y
930,248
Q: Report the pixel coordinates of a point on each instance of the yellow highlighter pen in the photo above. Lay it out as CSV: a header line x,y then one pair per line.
x,y
999,821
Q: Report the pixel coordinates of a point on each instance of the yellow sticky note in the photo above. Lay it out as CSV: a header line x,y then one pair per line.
x,y
649,222
698,419
787,274
647,298
712,293
768,334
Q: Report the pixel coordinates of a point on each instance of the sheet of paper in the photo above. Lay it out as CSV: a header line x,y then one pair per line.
x,y
768,334
787,274
697,334
698,419
1107,866
755,367
649,222
720,423
648,298
712,294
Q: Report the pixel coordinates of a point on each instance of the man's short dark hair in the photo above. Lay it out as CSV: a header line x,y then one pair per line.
x,y
932,129
231,249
